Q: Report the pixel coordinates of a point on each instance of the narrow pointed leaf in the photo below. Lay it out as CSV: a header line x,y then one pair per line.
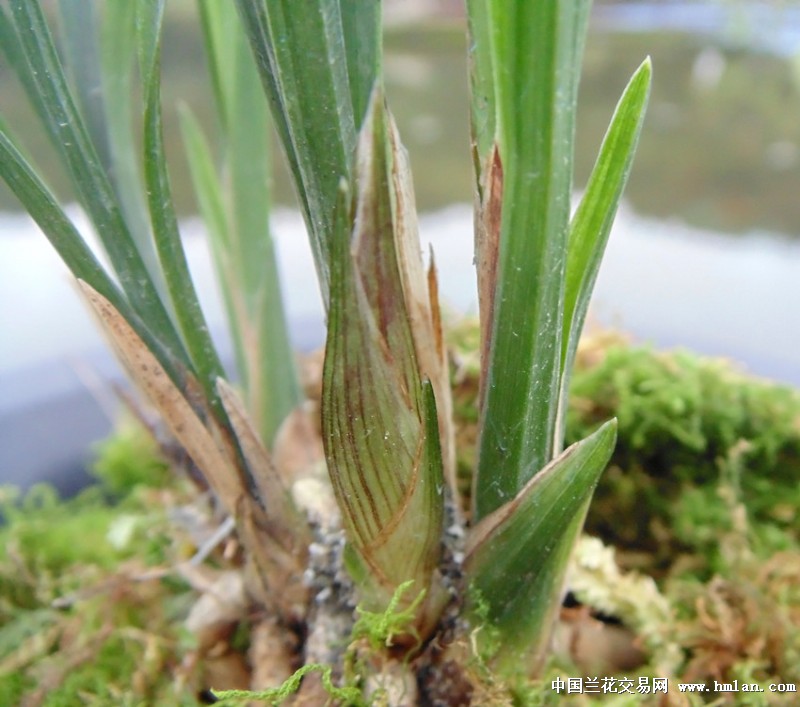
x,y
15,56
118,52
43,208
218,21
380,425
217,462
44,74
276,553
536,50
289,526
299,48
517,556
207,187
79,32
273,389
162,213
483,112
209,194
594,217
101,74
361,29
242,243
318,61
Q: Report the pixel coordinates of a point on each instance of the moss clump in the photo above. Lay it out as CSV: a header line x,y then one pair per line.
x,y
80,622
130,458
53,535
347,695
689,428
680,413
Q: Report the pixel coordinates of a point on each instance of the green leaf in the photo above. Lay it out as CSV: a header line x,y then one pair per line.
x,y
44,209
218,21
14,54
73,250
482,105
594,217
207,186
316,80
82,61
361,29
271,380
118,51
242,244
488,173
379,419
162,213
536,50
517,556
44,75
103,89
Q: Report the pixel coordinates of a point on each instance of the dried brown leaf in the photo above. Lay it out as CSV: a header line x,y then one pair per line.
x,y
276,543
209,453
487,252
289,527
422,303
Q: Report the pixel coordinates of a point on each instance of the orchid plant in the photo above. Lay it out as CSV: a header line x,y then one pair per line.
x,y
386,413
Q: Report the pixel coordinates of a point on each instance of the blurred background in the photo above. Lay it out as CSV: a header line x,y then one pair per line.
x,y
705,252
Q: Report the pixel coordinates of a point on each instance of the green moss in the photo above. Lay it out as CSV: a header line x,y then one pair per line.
x,y
347,695
681,417
13,687
70,605
381,628
98,683
53,535
679,413
130,458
